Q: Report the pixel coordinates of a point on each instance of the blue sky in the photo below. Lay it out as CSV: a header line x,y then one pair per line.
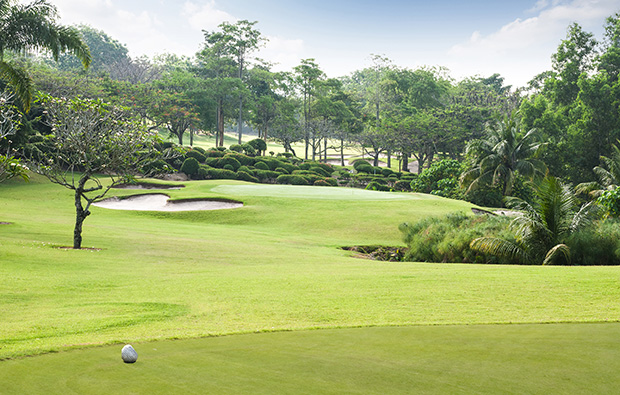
x,y
513,38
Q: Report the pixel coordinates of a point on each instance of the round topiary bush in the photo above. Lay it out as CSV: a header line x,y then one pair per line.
x,y
266,175
258,144
236,148
321,183
292,179
221,174
375,186
365,168
243,159
229,167
247,170
196,155
190,166
261,165
229,160
214,154
249,150
282,170
402,185
243,176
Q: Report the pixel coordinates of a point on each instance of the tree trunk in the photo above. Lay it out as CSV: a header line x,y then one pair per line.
x,y
80,213
341,152
325,152
220,125
191,137
389,159
405,162
240,121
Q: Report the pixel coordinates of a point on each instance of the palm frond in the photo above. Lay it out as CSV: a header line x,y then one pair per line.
x,y
560,251
499,247
19,81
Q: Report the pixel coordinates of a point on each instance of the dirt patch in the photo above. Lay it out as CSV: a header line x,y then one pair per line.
x,y
6,223
161,202
378,252
80,249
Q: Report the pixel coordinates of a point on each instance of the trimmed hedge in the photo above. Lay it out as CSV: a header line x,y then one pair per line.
x,y
292,179
190,166
214,154
231,161
266,175
244,176
197,155
261,166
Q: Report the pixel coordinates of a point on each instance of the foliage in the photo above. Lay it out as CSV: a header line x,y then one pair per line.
x,y
33,26
448,238
610,200
90,137
293,179
194,153
543,229
441,179
244,176
190,166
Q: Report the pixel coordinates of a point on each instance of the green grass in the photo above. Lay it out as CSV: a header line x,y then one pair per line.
x,y
273,265
532,359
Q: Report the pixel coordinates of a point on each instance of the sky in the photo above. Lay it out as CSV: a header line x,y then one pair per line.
x,y
514,38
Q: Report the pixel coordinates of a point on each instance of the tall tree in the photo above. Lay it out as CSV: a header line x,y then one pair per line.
x,y
33,27
307,76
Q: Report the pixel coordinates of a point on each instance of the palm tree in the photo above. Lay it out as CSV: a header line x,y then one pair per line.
x,y
503,153
608,175
33,27
542,229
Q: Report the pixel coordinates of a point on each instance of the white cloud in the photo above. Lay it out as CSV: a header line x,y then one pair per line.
x,y
206,16
284,53
522,48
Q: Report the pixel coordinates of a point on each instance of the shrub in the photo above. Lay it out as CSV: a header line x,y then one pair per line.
x,y
261,166
229,167
282,170
190,166
244,176
196,155
597,246
404,186
379,180
285,154
319,170
387,172
292,179
265,175
248,149
214,154
221,149
332,182
221,174
236,148
258,144
427,181
229,160
375,186
448,238
158,166
247,170
360,162
241,158
365,168
202,173
321,183
610,200
486,196
214,162
199,149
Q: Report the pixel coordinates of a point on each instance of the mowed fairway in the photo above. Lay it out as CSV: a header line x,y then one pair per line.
x,y
275,265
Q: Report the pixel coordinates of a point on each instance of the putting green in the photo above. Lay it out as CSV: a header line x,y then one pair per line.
x,y
322,193
533,359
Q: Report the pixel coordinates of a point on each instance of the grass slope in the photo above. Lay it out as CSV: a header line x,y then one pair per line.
x,y
271,265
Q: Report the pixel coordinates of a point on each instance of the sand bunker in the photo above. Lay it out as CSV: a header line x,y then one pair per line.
x,y
160,202
145,185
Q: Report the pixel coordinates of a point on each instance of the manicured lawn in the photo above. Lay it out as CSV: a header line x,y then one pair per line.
x,y
275,265
490,359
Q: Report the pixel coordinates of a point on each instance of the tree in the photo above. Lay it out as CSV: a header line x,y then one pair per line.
x,y
33,27
608,174
9,121
504,152
89,138
544,227
307,76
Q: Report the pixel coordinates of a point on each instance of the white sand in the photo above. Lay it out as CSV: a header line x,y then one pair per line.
x,y
159,202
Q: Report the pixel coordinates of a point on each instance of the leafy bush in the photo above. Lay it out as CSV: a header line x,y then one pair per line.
x,y
202,173
285,154
319,170
404,186
486,196
428,180
360,162
265,175
282,170
332,182
365,168
221,174
244,176
272,163
388,172
261,165
190,166
597,246
258,144
229,167
321,183
448,238
229,160
292,179
200,149
196,155
158,166
247,170
375,186
241,158
248,149
610,200
379,180
236,148
214,154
